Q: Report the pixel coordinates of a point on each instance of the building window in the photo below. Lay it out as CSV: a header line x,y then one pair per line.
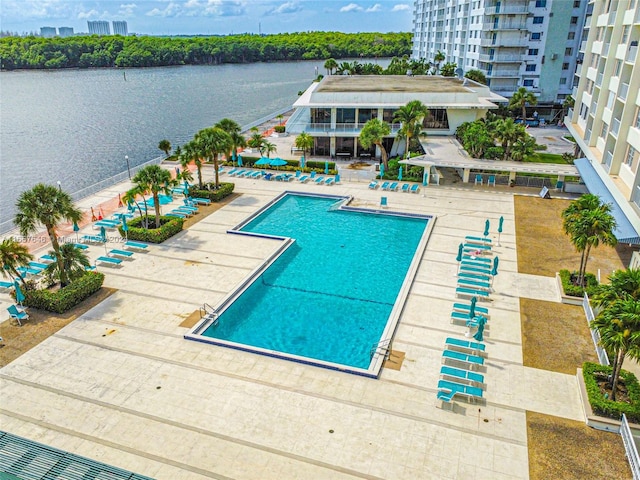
x,y
366,114
565,66
571,36
617,68
541,3
568,51
563,81
320,115
533,51
536,36
603,130
528,82
632,154
576,4
531,68
637,118
436,119
388,114
538,20
346,115
625,34
574,20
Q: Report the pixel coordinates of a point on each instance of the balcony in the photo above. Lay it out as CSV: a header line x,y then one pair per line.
x,y
615,127
631,54
507,10
343,127
500,58
504,74
492,26
599,79
624,91
503,41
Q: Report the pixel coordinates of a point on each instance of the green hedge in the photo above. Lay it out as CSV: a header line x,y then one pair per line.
x,y
279,128
292,165
66,298
603,406
215,195
169,226
572,290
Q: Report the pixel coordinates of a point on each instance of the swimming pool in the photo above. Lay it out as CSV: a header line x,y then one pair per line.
x,y
333,293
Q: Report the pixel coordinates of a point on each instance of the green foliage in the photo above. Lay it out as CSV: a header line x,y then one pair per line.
x,y
211,192
143,51
476,138
448,69
279,128
604,406
573,290
476,76
67,297
169,226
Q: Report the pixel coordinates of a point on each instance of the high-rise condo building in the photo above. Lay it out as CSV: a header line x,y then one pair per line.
x,y
120,28
65,32
48,32
98,27
605,120
515,43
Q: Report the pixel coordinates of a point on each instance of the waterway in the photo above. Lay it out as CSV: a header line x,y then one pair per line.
x,y
77,126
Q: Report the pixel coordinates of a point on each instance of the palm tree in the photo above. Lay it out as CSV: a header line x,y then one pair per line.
x,y
410,115
74,260
619,327
237,140
523,148
589,223
520,99
622,284
49,206
131,196
505,131
267,148
330,65
438,58
156,180
191,153
13,255
280,117
165,146
476,76
305,142
255,141
373,133
213,142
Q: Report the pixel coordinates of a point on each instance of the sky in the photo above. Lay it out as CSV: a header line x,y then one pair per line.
x,y
210,17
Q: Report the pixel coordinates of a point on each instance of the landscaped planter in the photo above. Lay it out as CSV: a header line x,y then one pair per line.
x,y
572,297
169,226
64,299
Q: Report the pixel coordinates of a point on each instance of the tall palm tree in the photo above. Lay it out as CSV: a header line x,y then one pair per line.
x,y
74,260
330,65
191,153
165,146
410,115
520,99
131,197
255,141
622,284
213,142
267,148
13,255
373,133
571,218
619,327
156,180
237,140
49,206
438,58
305,142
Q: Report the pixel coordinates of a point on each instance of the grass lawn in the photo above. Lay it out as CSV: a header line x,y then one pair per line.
x,y
541,157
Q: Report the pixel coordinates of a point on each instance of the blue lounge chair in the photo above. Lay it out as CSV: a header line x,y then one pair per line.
x,y
457,343
39,265
91,239
460,374
466,292
6,285
385,186
476,240
373,185
475,321
393,187
329,181
319,180
186,208
383,202
474,258
303,178
121,253
18,313
477,246
467,283
136,245
466,358
475,269
483,277
466,307
48,258
415,188
109,261
110,224
175,214
460,316
234,171
202,201
447,390
179,190
24,271
405,187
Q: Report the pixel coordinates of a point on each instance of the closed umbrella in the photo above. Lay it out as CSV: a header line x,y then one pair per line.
x,y
472,307
500,222
125,227
19,295
76,229
459,257
239,160
119,201
302,162
103,234
381,170
400,174
326,168
479,335
93,215
177,172
130,207
486,227
494,270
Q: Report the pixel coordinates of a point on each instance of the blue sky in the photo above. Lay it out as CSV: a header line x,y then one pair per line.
x,y
162,17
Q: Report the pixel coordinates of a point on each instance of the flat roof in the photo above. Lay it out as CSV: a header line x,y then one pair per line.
x,y
391,83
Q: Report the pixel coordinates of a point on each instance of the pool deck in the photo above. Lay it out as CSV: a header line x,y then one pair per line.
x,y
122,386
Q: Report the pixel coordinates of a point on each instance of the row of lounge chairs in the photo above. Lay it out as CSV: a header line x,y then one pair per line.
x,y
395,186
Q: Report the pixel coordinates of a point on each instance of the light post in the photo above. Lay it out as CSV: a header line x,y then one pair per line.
x,y
126,157
59,186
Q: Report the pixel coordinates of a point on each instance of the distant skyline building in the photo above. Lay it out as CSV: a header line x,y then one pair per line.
x,y
48,32
519,43
120,28
98,27
65,32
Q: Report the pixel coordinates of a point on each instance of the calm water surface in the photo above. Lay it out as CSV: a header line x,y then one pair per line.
x,y
77,126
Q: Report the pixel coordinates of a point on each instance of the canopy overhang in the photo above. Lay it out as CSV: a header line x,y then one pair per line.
x,y
625,230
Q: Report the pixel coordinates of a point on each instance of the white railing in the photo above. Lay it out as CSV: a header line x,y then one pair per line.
x,y
595,336
605,49
504,73
505,10
624,90
615,126
500,58
608,157
599,78
630,447
631,54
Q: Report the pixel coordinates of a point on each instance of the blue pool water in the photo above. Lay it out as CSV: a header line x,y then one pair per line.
x,y
329,295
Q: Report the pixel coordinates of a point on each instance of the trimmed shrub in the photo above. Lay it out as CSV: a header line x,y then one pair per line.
x,y
169,226
66,298
215,195
279,128
603,406
572,290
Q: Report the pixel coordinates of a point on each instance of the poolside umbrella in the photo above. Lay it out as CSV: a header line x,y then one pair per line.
x,y
460,248
302,162
381,170
494,270
479,334
239,160
130,207
277,162
125,227
500,222
486,227
119,201
103,234
337,179
186,187
263,161
472,307
76,229
400,174
93,215
101,214
19,295
326,168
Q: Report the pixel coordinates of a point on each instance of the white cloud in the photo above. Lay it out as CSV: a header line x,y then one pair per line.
x,y
352,7
171,10
376,8
30,9
87,15
200,8
400,7
287,7
126,10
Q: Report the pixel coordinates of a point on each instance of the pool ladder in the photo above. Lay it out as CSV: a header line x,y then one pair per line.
x,y
209,313
383,347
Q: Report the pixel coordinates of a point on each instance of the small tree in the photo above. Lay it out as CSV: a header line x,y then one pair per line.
x,y
476,76
75,262
156,180
520,99
410,116
305,142
267,148
330,65
13,255
448,69
165,146
523,148
373,133
438,59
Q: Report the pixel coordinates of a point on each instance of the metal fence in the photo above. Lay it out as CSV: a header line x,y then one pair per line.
x,y
521,181
630,447
266,118
595,336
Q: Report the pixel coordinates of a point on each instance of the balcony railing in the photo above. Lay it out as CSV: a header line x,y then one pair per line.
x,y
605,49
583,46
343,127
503,73
631,54
615,126
608,158
599,78
500,41
504,26
500,58
507,10
624,90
